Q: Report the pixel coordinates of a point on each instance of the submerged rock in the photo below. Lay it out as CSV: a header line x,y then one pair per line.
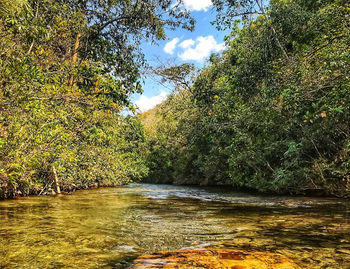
x,y
213,258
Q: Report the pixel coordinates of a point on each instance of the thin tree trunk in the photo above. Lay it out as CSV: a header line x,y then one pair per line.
x,y
74,56
55,180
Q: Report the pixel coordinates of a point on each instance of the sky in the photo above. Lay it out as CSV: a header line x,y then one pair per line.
x,y
182,46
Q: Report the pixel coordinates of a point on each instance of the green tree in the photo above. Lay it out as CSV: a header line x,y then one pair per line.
x,y
67,70
272,112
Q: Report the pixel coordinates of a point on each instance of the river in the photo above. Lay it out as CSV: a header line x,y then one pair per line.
x,y
110,227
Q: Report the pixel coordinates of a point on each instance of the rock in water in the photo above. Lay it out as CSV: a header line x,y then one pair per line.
x,y
213,258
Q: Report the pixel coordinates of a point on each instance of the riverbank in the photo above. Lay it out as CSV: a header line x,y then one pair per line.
x,y
270,113
301,192
67,190
8,191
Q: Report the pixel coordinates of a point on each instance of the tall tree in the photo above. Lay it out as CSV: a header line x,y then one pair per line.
x,y
67,69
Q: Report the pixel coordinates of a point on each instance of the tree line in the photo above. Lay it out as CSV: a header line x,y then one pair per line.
x,y
67,71
272,113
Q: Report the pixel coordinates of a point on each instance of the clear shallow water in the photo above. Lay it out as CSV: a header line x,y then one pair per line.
x,y
108,228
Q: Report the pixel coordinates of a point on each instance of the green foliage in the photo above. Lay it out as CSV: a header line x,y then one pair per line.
x,y
165,144
67,70
272,113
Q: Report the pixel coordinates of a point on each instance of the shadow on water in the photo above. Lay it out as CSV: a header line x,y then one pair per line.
x,y
108,228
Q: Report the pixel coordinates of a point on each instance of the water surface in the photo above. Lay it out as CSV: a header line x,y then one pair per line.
x,y
109,227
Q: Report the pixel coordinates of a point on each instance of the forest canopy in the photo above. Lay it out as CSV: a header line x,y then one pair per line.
x,y
67,71
269,114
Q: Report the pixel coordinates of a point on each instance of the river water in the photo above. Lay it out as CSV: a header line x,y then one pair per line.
x,y
109,227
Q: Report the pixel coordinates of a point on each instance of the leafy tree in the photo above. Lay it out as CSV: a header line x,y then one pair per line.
x,y
272,112
67,69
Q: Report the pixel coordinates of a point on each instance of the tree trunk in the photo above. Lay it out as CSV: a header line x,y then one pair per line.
x,y
55,180
74,56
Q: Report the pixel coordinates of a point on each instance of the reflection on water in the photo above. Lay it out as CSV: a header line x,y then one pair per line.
x,y
108,228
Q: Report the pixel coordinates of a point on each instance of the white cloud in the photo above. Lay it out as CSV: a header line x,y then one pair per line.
x,y
146,103
197,5
186,43
171,45
204,45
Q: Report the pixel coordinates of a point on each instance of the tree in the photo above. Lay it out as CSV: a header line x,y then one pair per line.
x,y
67,69
271,113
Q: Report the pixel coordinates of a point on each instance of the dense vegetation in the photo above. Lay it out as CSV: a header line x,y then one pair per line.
x,y
67,70
272,113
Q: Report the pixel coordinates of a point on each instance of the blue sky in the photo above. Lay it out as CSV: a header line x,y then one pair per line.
x,y
182,46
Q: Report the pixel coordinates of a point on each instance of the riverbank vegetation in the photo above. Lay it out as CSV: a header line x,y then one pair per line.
x,y
67,70
271,113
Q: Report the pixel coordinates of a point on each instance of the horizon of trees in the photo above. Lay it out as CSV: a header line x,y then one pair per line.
x,y
271,113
